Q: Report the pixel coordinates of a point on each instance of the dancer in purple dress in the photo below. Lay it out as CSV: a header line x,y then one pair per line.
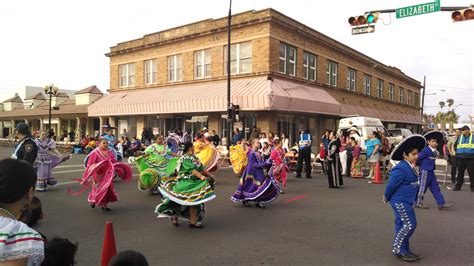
x,y
48,157
254,185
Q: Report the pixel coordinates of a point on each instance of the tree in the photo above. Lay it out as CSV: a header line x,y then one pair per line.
x,y
450,103
442,105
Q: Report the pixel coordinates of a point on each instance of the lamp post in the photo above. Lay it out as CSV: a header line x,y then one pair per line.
x,y
51,90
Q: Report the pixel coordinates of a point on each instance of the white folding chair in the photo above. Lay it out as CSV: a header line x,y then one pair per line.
x,y
315,165
443,172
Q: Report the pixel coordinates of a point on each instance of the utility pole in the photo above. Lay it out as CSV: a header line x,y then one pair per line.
x,y
229,103
423,99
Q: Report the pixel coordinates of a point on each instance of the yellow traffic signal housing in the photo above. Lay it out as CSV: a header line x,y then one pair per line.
x,y
367,18
464,14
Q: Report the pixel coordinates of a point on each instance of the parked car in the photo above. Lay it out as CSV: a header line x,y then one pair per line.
x,y
396,135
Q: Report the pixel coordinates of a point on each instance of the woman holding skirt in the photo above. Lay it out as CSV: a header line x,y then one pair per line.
x,y
254,185
48,157
185,194
280,169
101,167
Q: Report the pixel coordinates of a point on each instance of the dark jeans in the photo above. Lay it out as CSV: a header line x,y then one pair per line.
x,y
463,164
454,168
305,155
349,164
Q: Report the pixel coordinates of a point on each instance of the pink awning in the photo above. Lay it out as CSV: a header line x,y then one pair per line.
x,y
253,94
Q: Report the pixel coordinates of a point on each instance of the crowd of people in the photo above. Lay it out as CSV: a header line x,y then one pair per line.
x,y
181,169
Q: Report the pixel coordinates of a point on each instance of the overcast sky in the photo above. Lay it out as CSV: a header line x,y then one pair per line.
x,y
64,43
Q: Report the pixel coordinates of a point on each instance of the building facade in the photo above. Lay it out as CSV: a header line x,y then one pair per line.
x,y
285,77
70,113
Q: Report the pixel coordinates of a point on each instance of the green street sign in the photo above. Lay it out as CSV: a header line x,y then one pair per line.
x,y
421,9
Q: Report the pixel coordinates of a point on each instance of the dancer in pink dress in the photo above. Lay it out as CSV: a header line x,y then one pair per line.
x,y
279,167
101,166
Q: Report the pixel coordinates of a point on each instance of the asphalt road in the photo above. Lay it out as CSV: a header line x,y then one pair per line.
x,y
309,225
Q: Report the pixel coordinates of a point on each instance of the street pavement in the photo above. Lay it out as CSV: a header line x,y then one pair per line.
x,y
309,225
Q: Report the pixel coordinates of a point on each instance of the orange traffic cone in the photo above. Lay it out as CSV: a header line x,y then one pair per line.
x,y
378,175
108,248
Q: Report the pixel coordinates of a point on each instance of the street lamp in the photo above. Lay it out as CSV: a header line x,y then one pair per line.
x,y
51,90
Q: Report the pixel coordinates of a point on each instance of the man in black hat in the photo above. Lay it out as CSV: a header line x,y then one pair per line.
x,y
465,157
26,150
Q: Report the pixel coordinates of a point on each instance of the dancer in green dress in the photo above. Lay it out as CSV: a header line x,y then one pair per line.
x,y
185,194
155,166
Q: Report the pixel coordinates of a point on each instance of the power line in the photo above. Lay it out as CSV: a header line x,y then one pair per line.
x,y
449,87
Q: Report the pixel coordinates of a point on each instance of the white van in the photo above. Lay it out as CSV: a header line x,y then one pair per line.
x,y
364,125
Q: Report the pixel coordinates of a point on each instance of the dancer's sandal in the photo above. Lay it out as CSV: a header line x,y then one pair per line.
x,y
196,226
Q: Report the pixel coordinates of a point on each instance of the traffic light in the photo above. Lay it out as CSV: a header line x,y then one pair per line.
x,y
230,112
367,18
236,112
464,14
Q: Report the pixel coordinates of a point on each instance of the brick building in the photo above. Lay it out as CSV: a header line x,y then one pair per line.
x,y
285,77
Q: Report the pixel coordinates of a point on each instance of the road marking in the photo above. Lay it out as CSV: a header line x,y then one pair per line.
x,y
69,171
69,166
296,198
75,182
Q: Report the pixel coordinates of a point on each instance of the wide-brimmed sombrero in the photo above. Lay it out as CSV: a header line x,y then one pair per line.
x,y
416,141
438,135
149,178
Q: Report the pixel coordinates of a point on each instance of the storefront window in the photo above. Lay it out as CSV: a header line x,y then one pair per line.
x,y
286,124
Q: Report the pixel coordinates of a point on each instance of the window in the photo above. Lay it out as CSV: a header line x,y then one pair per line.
x,y
240,58
417,100
367,83
287,59
351,79
127,75
202,64
391,88
151,70
402,96
332,73
410,97
175,68
380,88
309,66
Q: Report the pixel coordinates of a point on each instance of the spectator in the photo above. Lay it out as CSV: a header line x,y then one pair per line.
x,y
266,150
343,139
36,133
110,138
136,146
255,134
214,138
386,149
452,154
51,134
146,137
90,145
356,168
17,187
72,135
285,143
237,136
205,132
325,140
85,141
32,213
373,151
124,133
320,158
263,138
59,252
128,258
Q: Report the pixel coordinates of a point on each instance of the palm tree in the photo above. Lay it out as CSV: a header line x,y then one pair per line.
x,y
442,105
450,103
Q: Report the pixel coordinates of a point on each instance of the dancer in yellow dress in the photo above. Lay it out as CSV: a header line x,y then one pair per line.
x,y
238,157
207,154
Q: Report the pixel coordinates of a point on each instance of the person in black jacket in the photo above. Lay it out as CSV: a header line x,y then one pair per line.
x,y
26,150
